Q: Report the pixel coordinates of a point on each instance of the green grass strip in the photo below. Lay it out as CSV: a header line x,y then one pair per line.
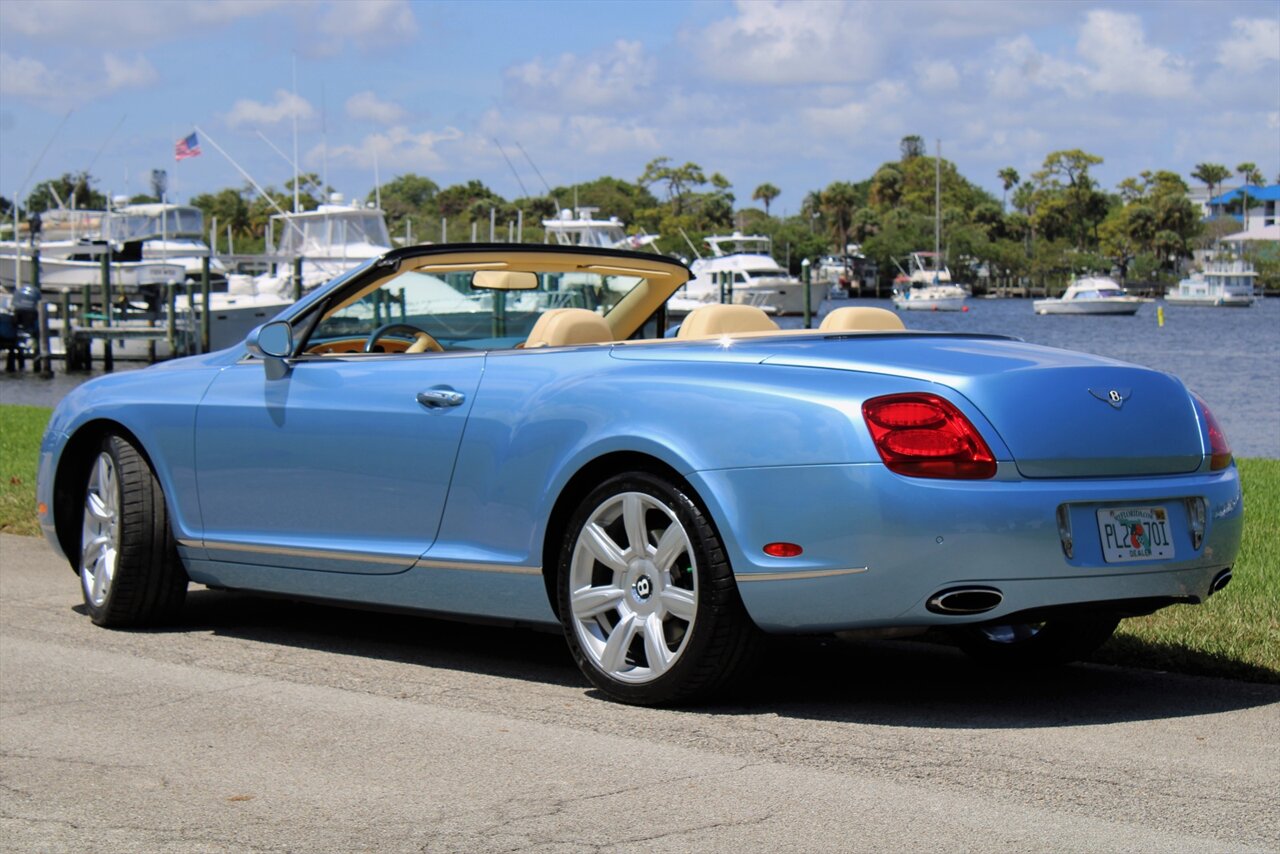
x,y
20,430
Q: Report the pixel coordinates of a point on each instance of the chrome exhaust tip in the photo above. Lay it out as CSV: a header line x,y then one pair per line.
x,y
964,600
1221,580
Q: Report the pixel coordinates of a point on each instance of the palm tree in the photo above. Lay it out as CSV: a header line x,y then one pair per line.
x,y
1250,174
1212,175
766,193
839,200
1010,178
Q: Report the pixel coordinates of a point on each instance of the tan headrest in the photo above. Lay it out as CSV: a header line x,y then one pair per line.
x,y
565,327
712,321
860,319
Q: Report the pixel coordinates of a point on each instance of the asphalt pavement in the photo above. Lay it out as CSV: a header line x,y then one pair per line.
x,y
267,725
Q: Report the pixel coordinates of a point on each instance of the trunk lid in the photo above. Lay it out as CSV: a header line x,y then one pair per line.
x,y
1060,413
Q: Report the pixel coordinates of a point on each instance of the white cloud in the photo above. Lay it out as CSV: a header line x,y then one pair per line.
x,y
1254,43
397,149
776,43
937,76
1020,67
367,106
597,135
610,78
125,23
854,116
369,24
254,113
1124,63
128,74
1116,60
22,77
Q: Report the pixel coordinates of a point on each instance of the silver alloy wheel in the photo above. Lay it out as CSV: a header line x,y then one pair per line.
x,y
100,536
633,588
1012,633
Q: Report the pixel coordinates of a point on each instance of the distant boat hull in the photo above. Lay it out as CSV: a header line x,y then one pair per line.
x,y
1122,306
1226,301
64,274
931,298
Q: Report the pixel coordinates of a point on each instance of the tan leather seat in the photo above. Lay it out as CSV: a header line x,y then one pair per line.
x,y
861,319
565,327
712,321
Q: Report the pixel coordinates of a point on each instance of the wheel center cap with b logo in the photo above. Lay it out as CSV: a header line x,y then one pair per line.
x,y
643,587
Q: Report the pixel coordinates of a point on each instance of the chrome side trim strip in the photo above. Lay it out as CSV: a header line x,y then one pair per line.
x,y
190,544
798,575
479,567
363,557
319,554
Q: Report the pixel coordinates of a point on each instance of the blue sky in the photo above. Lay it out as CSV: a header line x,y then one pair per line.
x,y
797,94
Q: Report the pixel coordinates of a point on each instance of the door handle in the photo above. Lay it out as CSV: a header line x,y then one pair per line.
x,y
435,397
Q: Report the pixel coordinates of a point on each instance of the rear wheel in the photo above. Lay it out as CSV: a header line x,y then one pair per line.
x,y
1030,644
130,572
648,600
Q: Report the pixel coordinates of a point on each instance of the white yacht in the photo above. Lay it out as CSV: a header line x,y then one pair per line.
x,y
580,227
1221,283
72,243
330,240
743,266
168,233
927,286
1091,295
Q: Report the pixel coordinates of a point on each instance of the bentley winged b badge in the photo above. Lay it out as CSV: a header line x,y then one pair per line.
x,y
1116,396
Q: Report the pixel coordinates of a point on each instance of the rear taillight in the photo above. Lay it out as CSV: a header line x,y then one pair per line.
x,y
1219,450
922,435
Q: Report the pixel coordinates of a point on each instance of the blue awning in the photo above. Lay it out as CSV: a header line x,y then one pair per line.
x,y
1260,194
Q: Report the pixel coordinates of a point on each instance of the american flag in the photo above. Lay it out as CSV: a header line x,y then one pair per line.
x,y
188,146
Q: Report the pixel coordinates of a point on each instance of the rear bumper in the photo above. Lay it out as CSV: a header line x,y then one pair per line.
x,y
877,545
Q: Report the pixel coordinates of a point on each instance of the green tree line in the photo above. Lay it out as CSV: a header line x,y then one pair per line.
x,y
1046,227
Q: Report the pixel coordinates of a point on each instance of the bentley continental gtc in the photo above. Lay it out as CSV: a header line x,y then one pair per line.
x,y
519,433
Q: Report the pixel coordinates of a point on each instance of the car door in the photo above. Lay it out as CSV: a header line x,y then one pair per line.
x,y
341,465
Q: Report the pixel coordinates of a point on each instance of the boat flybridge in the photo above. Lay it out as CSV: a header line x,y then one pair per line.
x,y
169,233
580,227
742,270
330,240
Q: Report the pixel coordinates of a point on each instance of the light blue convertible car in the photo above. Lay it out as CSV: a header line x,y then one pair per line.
x,y
511,433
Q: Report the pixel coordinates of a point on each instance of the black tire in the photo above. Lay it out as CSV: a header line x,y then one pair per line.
x,y
710,651
1050,643
142,580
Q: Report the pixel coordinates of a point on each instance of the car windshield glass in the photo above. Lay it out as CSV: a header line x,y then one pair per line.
x,y
459,317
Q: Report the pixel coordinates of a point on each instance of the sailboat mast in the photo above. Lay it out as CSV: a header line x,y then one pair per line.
x,y
294,110
937,211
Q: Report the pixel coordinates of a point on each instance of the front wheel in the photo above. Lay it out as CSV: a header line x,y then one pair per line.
x,y
130,572
647,597
1050,642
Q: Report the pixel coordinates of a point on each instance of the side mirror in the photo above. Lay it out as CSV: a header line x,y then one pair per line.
x,y
272,343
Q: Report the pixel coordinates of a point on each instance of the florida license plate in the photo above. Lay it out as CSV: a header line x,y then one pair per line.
x,y
1135,533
